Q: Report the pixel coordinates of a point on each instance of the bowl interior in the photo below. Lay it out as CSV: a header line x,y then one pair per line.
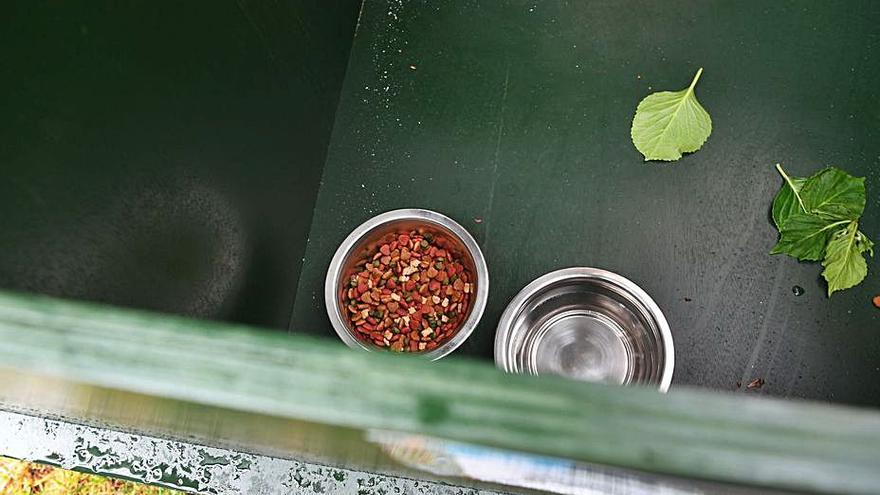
x,y
588,329
387,232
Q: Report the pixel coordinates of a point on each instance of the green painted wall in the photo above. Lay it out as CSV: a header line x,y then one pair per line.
x,y
166,155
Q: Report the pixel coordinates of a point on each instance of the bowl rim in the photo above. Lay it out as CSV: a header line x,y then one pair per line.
x,y
420,215
502,331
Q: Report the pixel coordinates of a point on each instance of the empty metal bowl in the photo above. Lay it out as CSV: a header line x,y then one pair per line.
x,y
587,324
375,231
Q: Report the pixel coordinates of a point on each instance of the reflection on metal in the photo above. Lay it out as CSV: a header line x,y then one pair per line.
x,y
190,467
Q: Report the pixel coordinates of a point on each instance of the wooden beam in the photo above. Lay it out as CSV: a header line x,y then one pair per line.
x,y
687,433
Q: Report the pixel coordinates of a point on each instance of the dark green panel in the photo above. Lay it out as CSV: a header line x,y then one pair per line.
x,y
518,113
166,155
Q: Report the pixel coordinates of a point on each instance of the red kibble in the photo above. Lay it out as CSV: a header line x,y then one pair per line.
x,y
408,270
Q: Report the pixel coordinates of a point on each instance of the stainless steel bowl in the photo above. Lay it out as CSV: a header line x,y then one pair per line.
x,y
365,237
587,324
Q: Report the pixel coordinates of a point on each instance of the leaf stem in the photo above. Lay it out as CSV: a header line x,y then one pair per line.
x,y
791,185
835,224
696,78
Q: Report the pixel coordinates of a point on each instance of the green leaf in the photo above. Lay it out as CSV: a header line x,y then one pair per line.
x,y
805,236
818,217
787,201
669,123
844,264
834,194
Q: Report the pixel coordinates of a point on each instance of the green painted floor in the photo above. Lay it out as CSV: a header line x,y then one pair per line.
x,y
517,114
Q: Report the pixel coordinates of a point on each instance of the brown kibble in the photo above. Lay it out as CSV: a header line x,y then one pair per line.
x,y
756,383
406,292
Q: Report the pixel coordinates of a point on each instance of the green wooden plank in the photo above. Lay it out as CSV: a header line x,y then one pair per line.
x,y
518,112
685,433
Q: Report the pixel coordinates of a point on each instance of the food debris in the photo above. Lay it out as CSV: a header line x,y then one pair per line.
x,y
877,301
756,383
410,292
412,67
687,299
480,220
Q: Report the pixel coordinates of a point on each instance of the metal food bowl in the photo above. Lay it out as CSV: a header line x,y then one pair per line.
x,y
375,231
587,324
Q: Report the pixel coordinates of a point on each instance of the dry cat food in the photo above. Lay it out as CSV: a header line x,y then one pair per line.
x,y
409,293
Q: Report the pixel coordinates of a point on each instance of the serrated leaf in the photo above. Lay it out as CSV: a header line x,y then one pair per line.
x,y
786,202
834,194
867,244
669,123
804,236
817,218
844,262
